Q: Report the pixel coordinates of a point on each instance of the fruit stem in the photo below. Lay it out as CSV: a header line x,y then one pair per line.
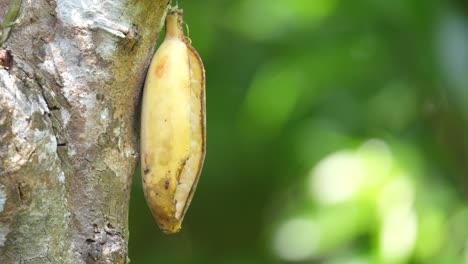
x,y
174,21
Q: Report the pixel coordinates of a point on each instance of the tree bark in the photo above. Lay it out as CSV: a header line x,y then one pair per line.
x,y
68,114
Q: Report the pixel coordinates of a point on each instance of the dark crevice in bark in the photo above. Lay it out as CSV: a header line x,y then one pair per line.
x,y
53,104
6,59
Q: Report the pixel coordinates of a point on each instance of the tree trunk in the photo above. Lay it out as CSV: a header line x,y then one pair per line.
x,y
68,108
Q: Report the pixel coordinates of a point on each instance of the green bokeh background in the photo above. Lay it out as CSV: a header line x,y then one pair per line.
x,y
337,133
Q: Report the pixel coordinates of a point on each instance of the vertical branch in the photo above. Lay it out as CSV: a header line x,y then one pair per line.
x,y
68,108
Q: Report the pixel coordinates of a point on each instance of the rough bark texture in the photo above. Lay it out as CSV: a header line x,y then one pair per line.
x,y
68,109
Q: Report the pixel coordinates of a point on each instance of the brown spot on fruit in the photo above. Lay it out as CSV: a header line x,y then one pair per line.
x,y
166,185
145,163
181,169
160,67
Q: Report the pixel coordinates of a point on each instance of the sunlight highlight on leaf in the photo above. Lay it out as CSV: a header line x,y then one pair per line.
x,y
296,239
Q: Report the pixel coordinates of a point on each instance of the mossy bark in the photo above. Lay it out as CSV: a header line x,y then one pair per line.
x,y
68,127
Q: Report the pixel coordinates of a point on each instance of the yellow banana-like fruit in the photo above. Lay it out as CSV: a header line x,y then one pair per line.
x,y
173,126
